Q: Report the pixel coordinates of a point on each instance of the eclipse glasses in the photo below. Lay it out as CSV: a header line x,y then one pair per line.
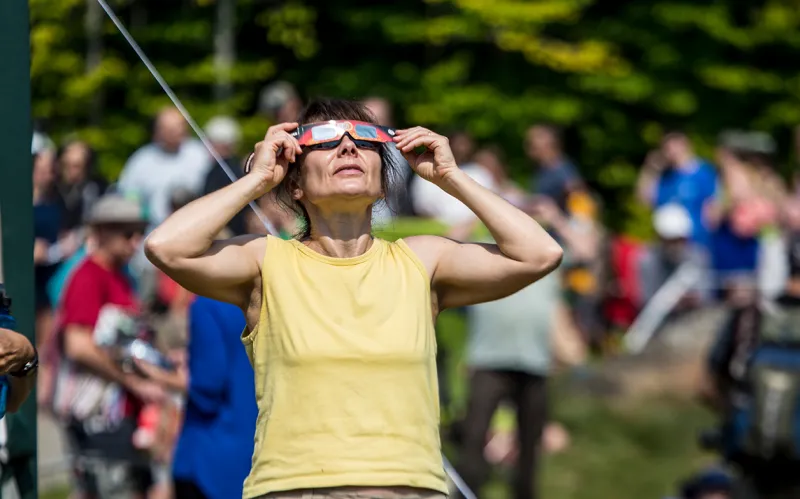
x,y
329,134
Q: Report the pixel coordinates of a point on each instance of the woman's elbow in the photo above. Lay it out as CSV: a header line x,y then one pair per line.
x,y
156,249
549,258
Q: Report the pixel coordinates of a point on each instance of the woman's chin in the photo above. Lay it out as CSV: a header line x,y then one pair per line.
x,y
354,188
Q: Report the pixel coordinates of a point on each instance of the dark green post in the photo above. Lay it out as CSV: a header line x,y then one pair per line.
x,y
16,193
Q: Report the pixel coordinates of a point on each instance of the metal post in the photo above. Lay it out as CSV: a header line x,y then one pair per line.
x,y
16,192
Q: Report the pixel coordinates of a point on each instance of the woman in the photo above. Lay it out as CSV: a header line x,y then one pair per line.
x,y
78,185
51,243
744,215
339,323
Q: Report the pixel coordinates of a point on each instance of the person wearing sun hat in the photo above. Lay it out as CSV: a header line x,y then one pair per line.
x,y
98,300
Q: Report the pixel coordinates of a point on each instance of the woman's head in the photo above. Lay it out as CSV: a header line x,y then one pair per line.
x,y
44,170
75,162
344,178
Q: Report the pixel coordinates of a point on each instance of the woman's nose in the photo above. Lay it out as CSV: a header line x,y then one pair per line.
x,y
347,146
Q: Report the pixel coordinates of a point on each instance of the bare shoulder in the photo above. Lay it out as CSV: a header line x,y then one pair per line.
x,y
250,245
257,246
429,249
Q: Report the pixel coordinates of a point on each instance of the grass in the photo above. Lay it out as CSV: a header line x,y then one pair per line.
x,y
639,450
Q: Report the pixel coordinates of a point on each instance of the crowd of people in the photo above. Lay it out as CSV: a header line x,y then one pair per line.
x,y
96,292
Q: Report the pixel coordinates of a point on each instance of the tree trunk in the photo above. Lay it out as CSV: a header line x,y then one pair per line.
x,y
94,55
224,48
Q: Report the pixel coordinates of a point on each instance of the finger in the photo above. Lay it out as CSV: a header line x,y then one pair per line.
x,y
289,146
297,147
406,131
413,136
280,127
424,140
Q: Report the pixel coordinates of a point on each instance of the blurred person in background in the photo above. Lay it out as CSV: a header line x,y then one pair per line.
x,y
509,352
170,161
98,402
400,202
213,454
361,417
674,249
745,212
225,135
584,267
279,102
492,159
52,243
431,201
78,184
711,484
556,176
170,306
675,174
753,374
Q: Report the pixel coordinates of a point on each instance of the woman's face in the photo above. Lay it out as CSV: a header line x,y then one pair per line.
x,y
345,173
74,163
44,170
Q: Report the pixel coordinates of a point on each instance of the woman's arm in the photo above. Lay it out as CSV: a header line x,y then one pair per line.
x,y
184,246
463,273
647,183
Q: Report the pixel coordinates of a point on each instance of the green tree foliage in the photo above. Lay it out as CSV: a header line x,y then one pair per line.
x,y
615,75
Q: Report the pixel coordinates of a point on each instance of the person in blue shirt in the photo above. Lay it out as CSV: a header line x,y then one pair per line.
x,y
675,174
214,450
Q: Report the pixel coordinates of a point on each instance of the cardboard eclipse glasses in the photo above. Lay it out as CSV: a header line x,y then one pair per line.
x,y
328,134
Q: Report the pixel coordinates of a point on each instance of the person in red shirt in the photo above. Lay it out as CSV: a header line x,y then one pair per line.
x,y
97,399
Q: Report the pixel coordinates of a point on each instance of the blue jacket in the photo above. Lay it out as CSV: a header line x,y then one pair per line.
x,y
215,447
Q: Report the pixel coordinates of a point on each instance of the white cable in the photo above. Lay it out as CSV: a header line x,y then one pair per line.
x,y
199,131
462,487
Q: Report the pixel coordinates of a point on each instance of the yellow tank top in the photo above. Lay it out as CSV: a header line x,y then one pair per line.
x,y
344,356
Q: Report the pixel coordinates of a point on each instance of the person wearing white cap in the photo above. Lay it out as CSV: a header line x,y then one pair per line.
x,y
225,134
674,227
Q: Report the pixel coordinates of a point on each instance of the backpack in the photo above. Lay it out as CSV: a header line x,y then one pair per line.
x,y
765,424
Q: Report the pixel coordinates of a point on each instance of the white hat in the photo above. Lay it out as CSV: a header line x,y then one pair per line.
x,y
223,130
116,209
672,221
274,96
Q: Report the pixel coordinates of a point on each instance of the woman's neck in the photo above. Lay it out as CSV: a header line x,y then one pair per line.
x,y
342,235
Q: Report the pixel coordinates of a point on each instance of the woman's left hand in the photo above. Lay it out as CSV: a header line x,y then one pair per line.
x,y
433,164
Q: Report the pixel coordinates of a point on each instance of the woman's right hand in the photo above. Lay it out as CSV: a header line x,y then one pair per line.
x,y
271,158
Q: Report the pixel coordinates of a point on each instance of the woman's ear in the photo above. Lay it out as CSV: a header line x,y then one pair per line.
x,y
297,192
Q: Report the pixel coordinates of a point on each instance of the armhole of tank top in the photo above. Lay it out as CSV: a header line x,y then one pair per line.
x,y
414,258
248,336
